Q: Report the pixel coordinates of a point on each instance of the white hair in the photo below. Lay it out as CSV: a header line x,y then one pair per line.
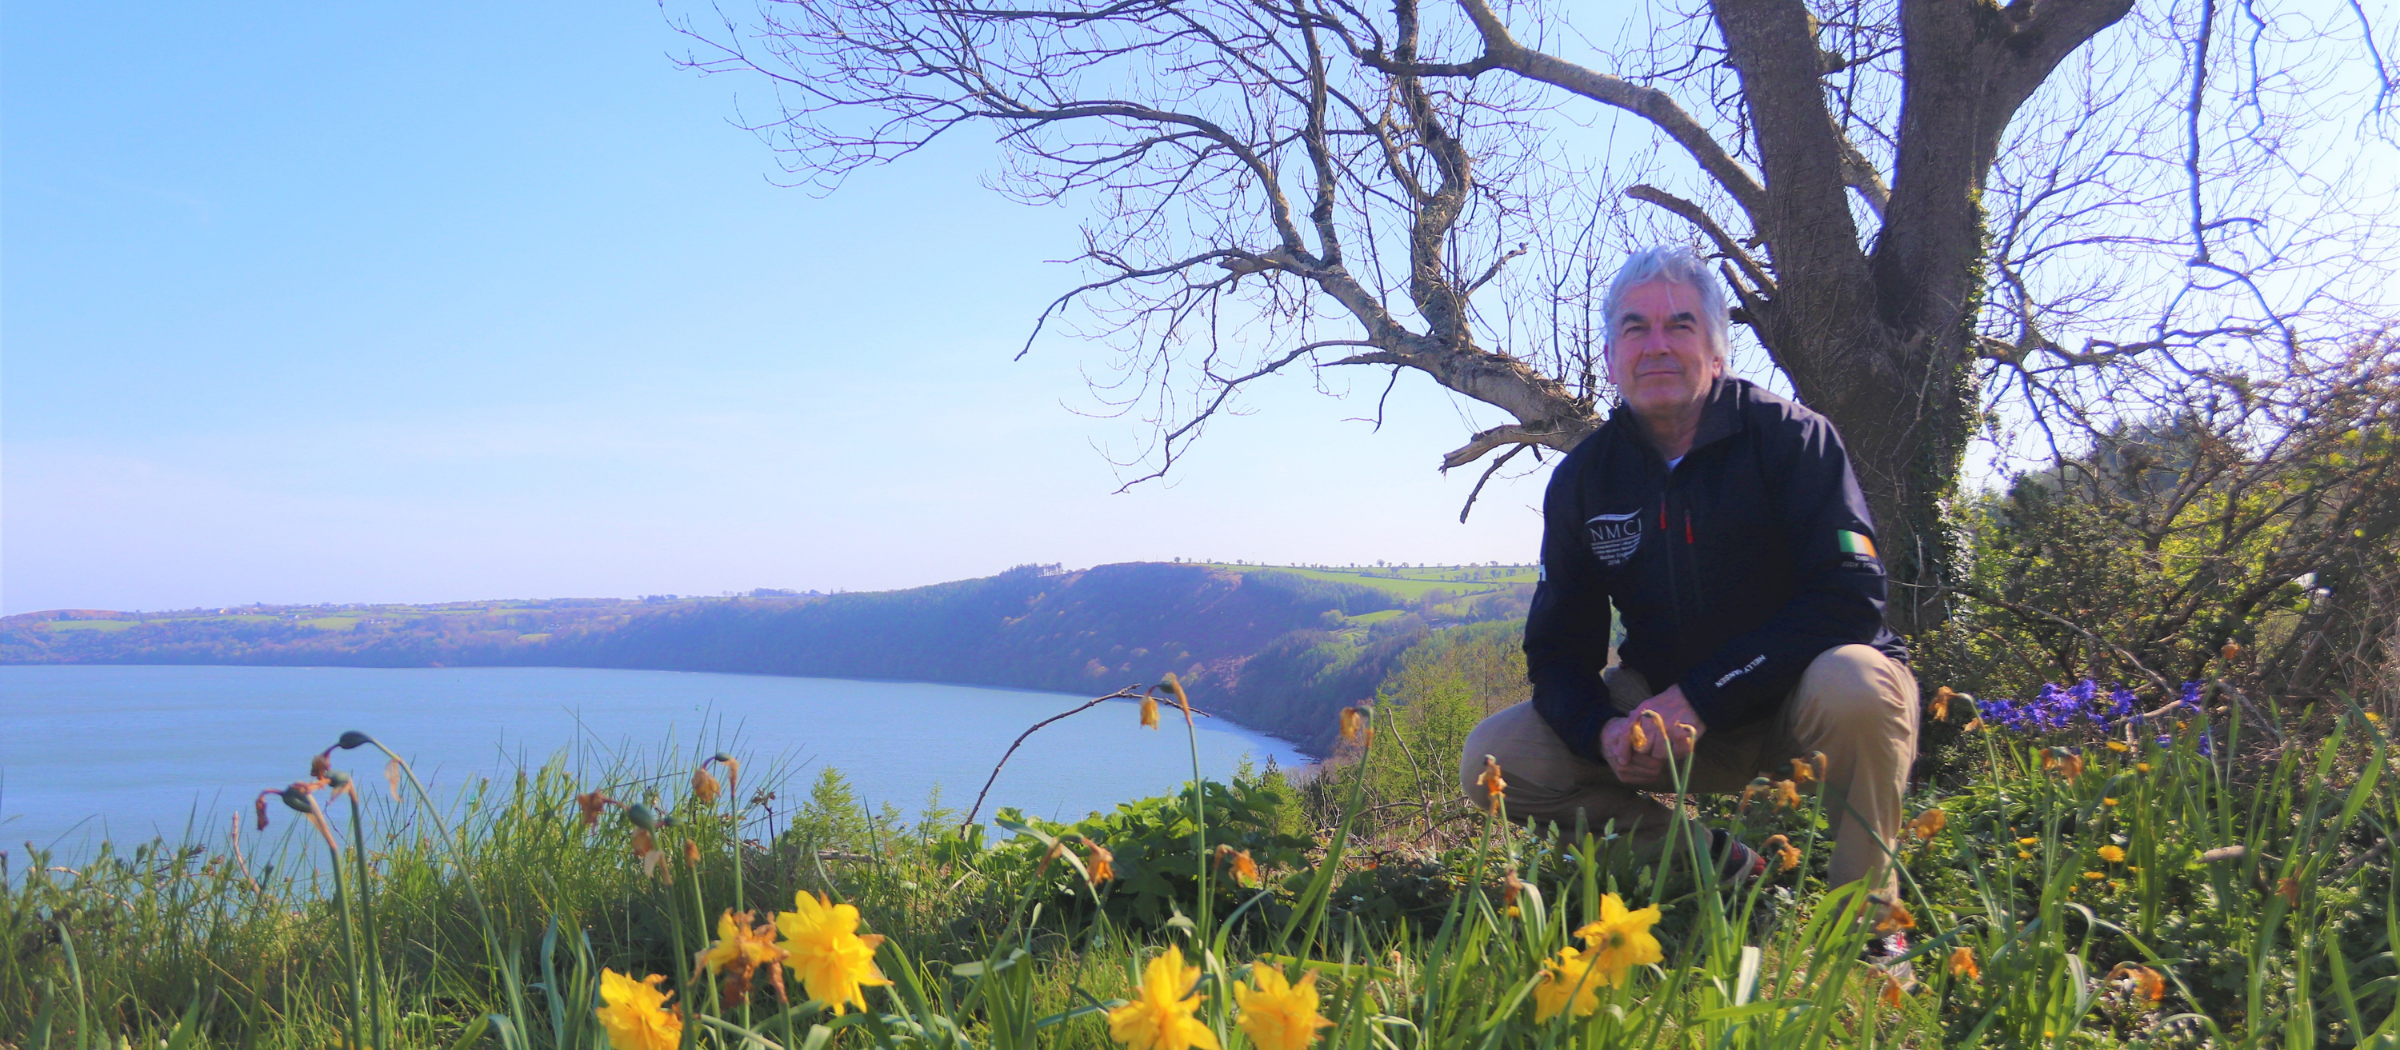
x,y
1680,265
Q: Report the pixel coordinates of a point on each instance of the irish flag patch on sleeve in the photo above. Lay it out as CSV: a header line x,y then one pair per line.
x,y
1855,543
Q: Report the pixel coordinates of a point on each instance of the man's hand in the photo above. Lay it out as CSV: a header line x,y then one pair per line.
x,y
1668,726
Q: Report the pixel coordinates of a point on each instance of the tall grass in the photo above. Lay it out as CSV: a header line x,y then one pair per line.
x,y
2152,896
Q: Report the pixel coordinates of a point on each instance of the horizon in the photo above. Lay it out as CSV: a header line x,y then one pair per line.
x,y
225,608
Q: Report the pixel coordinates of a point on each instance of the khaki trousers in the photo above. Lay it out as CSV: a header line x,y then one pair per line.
x,y
1855,704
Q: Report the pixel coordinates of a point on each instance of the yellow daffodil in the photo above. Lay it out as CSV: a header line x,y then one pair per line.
x,y
1621,940
2141,767
1962,963
1567,985
636,1016
1160,1015
2029,841
2119,746
2113,854
2022,855
1929,823
2095,875
832,959
2108,802
2375,718
1277,1014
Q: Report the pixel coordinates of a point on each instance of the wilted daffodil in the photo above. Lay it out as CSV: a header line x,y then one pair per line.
x,y
828,954
1160,1015
1495,788
1276,1014
1621,940
740,950
637,1017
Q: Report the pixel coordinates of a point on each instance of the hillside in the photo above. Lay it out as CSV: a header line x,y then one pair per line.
x,y
1274,648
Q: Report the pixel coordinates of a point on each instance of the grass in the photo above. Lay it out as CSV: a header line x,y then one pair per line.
x,y
2148,896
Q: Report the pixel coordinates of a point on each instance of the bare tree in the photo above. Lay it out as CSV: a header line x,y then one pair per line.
x,y
1934,215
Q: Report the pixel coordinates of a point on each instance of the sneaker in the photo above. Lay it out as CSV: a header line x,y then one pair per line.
x,y
1889,953
1736,863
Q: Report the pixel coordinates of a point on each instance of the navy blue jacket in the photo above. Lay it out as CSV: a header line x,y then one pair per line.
x,y
1730,572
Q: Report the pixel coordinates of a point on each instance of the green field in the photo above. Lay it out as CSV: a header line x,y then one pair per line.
x,y
1409,583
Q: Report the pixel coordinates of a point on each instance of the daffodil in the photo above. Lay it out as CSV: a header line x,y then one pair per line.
x,y
1494,787
2113,854
1149,712
637,1017
832,959
1929,823
1786,856
2141,767
1802,772
2144,981
1160,1015
1962,963
1941,703
740,950
1787,794
1277,1014
1102,864
2119,746
1896,917
1568,985
704,787
1621,940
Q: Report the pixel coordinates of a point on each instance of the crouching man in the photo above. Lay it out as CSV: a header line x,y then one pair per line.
x,y
1725,526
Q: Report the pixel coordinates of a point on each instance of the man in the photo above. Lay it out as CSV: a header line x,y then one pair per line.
x,y
1725,525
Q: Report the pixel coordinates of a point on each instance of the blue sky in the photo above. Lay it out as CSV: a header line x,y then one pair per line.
x,y
329,302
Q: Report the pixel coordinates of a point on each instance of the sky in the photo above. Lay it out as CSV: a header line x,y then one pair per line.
x,y
306,302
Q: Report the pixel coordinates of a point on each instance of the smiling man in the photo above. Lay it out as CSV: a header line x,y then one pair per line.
x,y
1724,525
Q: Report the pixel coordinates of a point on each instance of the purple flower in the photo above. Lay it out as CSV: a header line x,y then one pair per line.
x,y
2121,703
2191,696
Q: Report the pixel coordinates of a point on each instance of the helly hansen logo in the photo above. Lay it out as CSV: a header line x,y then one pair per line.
x,y
1615,537
1742,670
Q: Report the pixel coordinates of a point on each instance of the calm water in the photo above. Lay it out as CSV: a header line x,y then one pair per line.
x,y
132,752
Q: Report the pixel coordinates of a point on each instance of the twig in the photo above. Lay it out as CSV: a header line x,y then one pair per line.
x,y
2360,861
2254,711
2156,679
1126,693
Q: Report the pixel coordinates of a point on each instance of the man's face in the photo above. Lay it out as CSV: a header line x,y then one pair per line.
x,y
1658,355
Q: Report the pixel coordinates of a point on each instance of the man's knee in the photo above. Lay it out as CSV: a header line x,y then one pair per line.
x,y
1854,690
1530,755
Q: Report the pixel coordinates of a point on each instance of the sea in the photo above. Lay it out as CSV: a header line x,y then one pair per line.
x,y
128,754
